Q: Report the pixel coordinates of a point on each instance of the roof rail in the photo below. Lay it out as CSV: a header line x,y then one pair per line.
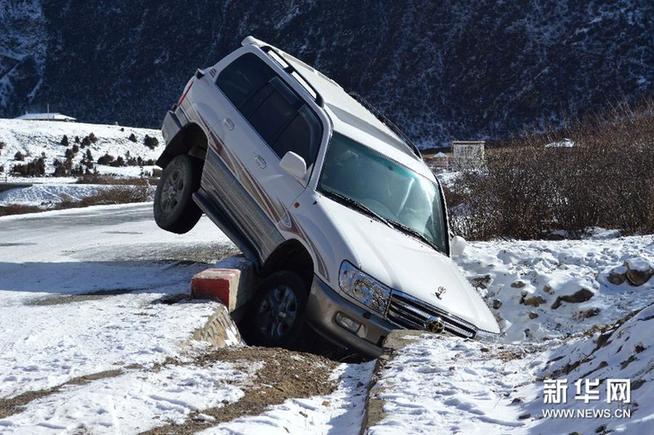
x,y
394,128
290,70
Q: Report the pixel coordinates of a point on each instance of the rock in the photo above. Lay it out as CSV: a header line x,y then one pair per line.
x,y
639,271
532,301
457,246
581,296
533,315
481,281
585,314
497,304
518,284
548,289
617,275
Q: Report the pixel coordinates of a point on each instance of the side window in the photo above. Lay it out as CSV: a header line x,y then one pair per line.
x,y
274,112
243,78
302,136
277,113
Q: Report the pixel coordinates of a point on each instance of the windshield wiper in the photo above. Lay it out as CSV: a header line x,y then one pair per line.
x,y
355,204
414,233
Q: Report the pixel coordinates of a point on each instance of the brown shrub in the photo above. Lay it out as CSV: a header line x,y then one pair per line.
x,y
527,190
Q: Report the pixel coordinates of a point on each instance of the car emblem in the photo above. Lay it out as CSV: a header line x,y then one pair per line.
x,y
434,324
440,291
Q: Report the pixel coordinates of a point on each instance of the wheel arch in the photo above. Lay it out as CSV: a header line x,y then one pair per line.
x,y
191,140
290,255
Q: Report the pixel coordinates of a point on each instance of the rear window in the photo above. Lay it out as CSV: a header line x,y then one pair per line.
x,y
243,78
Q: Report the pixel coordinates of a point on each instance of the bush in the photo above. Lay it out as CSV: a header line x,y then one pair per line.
x,y
528,190
150,142
92,138
19,157
118,162
35,168
106,159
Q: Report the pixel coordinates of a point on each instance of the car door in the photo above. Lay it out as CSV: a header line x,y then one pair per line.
x,y
259,118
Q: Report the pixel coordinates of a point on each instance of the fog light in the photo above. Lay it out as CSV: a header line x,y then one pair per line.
x,y
345,322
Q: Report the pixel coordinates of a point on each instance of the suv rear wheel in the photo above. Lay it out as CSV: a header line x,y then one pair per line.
x,y
277,313
174,209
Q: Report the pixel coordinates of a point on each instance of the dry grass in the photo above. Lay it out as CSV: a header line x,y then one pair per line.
x,y
115,195
527,190
107,179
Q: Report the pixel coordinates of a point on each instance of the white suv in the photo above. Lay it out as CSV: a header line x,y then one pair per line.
x,y
345,222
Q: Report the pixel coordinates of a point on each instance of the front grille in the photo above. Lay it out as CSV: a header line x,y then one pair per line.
x,y
411,313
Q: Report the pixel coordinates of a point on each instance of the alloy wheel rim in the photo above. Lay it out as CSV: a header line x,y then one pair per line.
x,y
278,312
172,191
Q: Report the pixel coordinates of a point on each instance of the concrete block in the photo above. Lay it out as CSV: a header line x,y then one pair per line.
x,y
232,282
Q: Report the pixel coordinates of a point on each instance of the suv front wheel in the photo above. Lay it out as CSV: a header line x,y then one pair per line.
x,y
174,208
277,313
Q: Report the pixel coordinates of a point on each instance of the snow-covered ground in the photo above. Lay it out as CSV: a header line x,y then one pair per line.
x,y
34,138
522,281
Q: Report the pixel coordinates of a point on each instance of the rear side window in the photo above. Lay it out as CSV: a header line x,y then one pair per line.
x,y
275,111
278,114
243,78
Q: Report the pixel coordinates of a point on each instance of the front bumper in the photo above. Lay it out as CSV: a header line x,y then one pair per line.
x,y
323,306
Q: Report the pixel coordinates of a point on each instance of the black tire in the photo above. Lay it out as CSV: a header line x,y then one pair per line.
x,y
272,326
174,208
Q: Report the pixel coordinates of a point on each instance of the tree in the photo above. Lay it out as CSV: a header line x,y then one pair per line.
x,y
132,137
89,156
75,148
64,141
150,142
19,156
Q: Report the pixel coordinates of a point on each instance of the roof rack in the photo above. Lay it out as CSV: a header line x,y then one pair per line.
x,y
387,122
290,70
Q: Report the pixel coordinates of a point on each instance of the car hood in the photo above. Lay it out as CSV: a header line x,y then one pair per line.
x,y
407,264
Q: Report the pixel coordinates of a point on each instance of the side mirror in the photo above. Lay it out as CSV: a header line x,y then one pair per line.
x,y
294,165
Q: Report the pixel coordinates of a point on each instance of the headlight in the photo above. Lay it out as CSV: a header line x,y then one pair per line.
x,y
363,287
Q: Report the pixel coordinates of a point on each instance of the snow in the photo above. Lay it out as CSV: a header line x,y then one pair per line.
x,y
133,402
118,253
565,143
520,272
339,412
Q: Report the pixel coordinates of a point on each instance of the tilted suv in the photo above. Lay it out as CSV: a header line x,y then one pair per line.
x,y
342,217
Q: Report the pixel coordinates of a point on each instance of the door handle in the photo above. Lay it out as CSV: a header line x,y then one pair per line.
x,y
260,161
228,123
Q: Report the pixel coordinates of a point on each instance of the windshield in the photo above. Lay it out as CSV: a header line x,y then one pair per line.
x,y
403,198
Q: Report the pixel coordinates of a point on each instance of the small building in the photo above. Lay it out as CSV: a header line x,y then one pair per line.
x,y
439,161
46,117
468,154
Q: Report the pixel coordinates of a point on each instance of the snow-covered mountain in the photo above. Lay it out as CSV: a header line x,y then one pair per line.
x,y
440,69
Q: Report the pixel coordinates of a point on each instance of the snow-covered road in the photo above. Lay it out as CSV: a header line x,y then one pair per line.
x,y
86,345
